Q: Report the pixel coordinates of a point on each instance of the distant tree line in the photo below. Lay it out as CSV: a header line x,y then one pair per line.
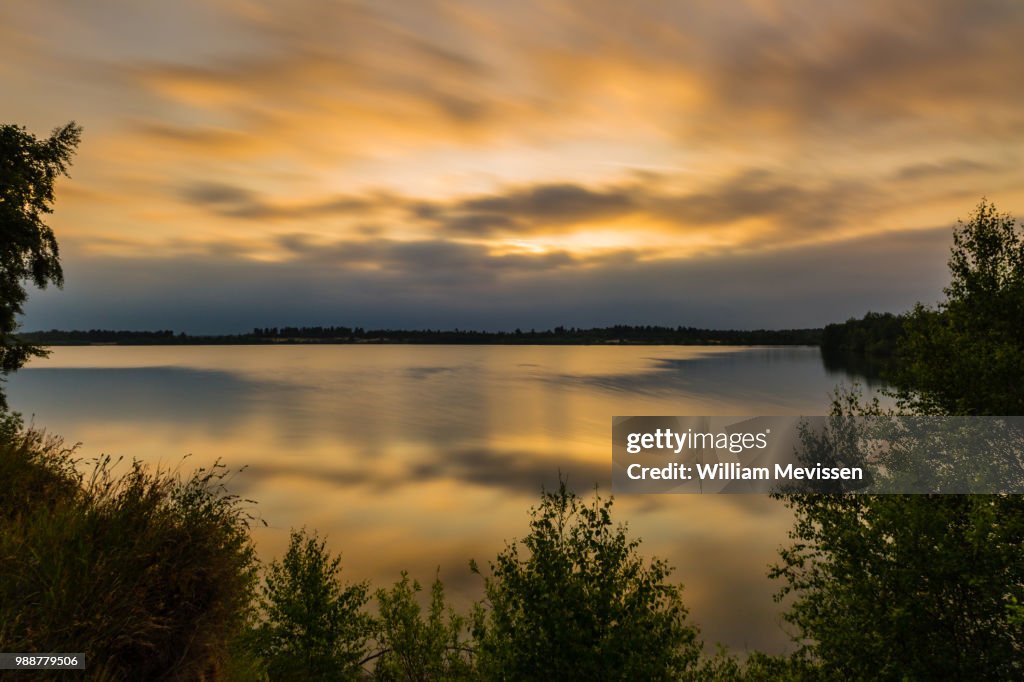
x,y
56,337
866,348
875,334
618,334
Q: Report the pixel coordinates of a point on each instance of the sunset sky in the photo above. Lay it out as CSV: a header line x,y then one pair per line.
x,y
513,164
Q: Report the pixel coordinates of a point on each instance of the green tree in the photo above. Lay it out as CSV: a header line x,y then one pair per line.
x,y
906,587
28,248
966,356
313,625
926,587
414,648
580,603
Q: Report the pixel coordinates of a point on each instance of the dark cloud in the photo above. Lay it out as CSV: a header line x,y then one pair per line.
x,y
440,284
217,194
476,224
458,107
949,167
797,206
827,68
236,202
516,210
447,58
549,204
794,204
197,137
432,263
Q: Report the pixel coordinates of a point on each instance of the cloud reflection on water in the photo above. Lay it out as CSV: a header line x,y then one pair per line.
x,y
423,457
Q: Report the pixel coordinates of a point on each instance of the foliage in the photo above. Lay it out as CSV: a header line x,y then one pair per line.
x,y
865,348
414,648
724,666
313,626
151,573
579,602
906,587
28,249
902,586
761,667
874,334
924,587
39,471
966,356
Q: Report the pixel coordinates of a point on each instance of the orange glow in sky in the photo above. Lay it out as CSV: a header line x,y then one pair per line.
x,y
566,134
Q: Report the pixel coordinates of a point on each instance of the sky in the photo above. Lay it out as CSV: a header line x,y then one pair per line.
x,y
494,165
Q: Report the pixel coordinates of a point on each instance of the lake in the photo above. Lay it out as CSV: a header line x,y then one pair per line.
x,y
422,457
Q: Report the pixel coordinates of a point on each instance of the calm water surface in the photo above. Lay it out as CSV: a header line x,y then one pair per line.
x,y
422,457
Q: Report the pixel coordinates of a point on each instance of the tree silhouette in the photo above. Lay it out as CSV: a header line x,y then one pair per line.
x,y
28,248
579,602
967,355
915,587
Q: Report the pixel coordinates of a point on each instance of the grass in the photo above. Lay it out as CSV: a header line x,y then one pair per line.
x,y
150,572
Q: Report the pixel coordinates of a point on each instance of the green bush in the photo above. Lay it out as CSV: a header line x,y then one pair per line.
x,y
580,603
313,627
966,356
38,471
150,574
413,648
